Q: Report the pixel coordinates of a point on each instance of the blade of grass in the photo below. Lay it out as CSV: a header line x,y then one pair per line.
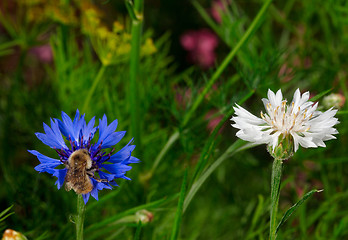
x,y
209,146
207,18
234,148
253,26
172,139
116,217
2,214
136,32
179,210
318,96
138,231
94,86
291,210
130,9
216,75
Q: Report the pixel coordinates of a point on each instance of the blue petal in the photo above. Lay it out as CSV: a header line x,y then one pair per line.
x,y
97,187
47,164
102,127
46,168
130,160
66,126
52,137
85,197
71,128
89,130
123,154
106,176
57,133
44,159
105,131
116,168
60,174
113,139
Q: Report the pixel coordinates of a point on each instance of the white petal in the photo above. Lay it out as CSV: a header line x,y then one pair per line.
x,y
297,97
279,98
271,97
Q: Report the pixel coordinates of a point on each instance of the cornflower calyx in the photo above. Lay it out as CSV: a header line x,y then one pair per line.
x,y
284,150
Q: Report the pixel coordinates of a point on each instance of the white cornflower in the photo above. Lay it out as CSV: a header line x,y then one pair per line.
x,y
299,122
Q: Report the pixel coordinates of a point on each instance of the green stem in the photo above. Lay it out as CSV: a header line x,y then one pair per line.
x,y
275,189
94,86
134,71
227,60
81,208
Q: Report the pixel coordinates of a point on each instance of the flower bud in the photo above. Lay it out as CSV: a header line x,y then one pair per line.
x,y
335,100
144,216
10,234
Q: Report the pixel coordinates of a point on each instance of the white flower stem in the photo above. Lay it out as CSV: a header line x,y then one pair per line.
x,y
275,190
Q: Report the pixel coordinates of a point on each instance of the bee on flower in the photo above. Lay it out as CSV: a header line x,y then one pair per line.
x,y
283,127
88,166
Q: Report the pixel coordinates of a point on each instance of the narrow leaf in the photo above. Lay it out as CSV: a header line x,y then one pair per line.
x,y
234,148
318,96
209,146
179,210
295,206
130,9
116,217
138,231
2,214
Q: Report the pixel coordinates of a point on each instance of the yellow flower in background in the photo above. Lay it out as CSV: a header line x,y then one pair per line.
x,y
148,48
43,10
114,46
111,44
62,13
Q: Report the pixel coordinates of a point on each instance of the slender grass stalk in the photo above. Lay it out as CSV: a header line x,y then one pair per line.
x,y
80,218
134,71
179,210
234,148
275,189
166,147
253,26
209,145
94,86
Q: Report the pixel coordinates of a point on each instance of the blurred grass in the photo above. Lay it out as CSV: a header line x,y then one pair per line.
x,y
298,44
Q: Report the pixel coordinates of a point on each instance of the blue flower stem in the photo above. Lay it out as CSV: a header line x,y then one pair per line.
x,y
275,190
134,71
81,209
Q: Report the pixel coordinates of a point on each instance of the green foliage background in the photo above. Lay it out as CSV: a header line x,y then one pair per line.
x,y
294,44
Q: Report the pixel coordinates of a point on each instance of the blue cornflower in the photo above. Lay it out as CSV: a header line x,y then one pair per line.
x,y
88,167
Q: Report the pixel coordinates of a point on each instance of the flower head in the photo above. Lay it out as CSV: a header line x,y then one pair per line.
x,y
88,166
297,123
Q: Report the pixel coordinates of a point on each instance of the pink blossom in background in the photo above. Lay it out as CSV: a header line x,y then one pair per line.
x,y
217,7
43,53
213,121
182,97
201,46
